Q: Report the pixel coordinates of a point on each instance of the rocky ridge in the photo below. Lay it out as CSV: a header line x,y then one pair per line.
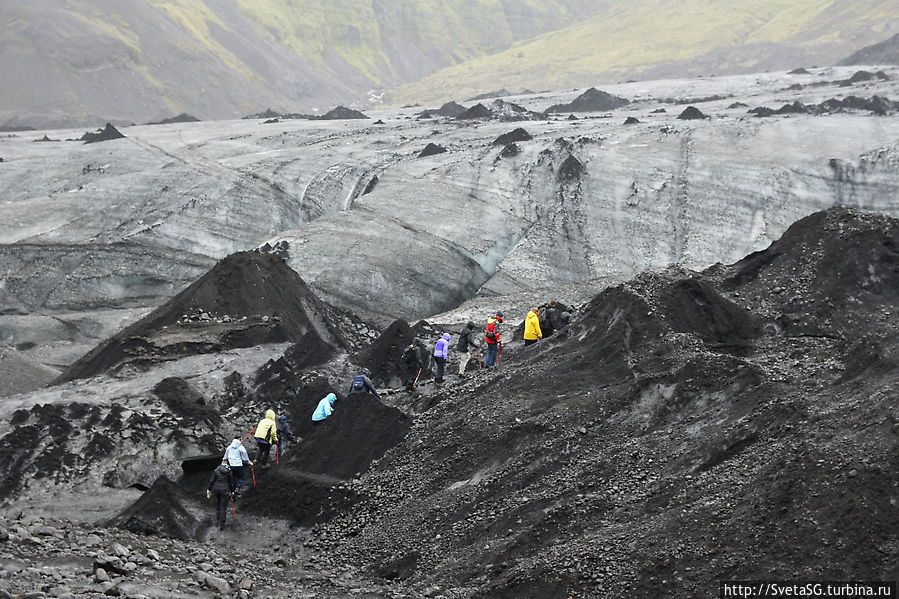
x,y
618,455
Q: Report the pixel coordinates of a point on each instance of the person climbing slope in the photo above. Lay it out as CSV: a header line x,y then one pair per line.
x,y
362,383
285,434
266,434
221,485
464,346
324,408
532,333
441,353
237,458
493,339
412,358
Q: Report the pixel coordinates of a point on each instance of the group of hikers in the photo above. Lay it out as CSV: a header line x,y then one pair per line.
x,y
541,321
228,478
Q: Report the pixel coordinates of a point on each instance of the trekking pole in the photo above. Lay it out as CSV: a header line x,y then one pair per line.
x,y
416,378
253,470
278,453
233,511
248,434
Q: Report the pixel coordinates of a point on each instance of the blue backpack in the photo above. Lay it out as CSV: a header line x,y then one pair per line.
x,y
358,384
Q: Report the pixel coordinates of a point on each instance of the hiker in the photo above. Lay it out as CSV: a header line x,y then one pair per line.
x,y
532,333
553,318
237,458
324,408
564,319
362,383
441,353
221,485
412,358
493,339
266,434
284,434
465,343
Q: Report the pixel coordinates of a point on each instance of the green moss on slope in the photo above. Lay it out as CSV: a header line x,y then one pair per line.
x,y
637,35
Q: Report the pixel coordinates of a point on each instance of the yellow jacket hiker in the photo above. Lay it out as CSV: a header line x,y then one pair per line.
x,y
532,328
266,434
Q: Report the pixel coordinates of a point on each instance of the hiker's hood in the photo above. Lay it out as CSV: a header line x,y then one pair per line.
x,y
235,444
531,314
446,336
270,414
331,398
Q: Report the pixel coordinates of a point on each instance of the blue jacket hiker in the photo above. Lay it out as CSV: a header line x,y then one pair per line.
x,y
325,408
362,383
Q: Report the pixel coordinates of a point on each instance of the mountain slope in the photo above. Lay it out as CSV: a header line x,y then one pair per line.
x,y
886,52
647,38
65,62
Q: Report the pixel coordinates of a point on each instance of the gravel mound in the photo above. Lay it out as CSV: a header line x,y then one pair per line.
x,y
181,118
676,409
691,113
342,112
431,149
450,109
384,357
107,133
247,299
592,100
518,134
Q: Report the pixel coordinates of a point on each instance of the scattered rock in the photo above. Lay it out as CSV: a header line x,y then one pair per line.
x,y
214,582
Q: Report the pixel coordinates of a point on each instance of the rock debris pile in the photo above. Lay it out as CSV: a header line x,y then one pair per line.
x,y
687,427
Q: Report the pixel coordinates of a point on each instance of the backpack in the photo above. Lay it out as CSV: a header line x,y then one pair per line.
x,y
464,340
358,383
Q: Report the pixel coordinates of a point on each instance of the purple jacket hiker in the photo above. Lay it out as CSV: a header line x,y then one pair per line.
x,y
441,353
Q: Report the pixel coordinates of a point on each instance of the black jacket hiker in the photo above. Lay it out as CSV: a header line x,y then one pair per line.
x,y
221,485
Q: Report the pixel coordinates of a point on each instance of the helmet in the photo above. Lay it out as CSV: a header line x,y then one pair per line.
x,y
366,372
